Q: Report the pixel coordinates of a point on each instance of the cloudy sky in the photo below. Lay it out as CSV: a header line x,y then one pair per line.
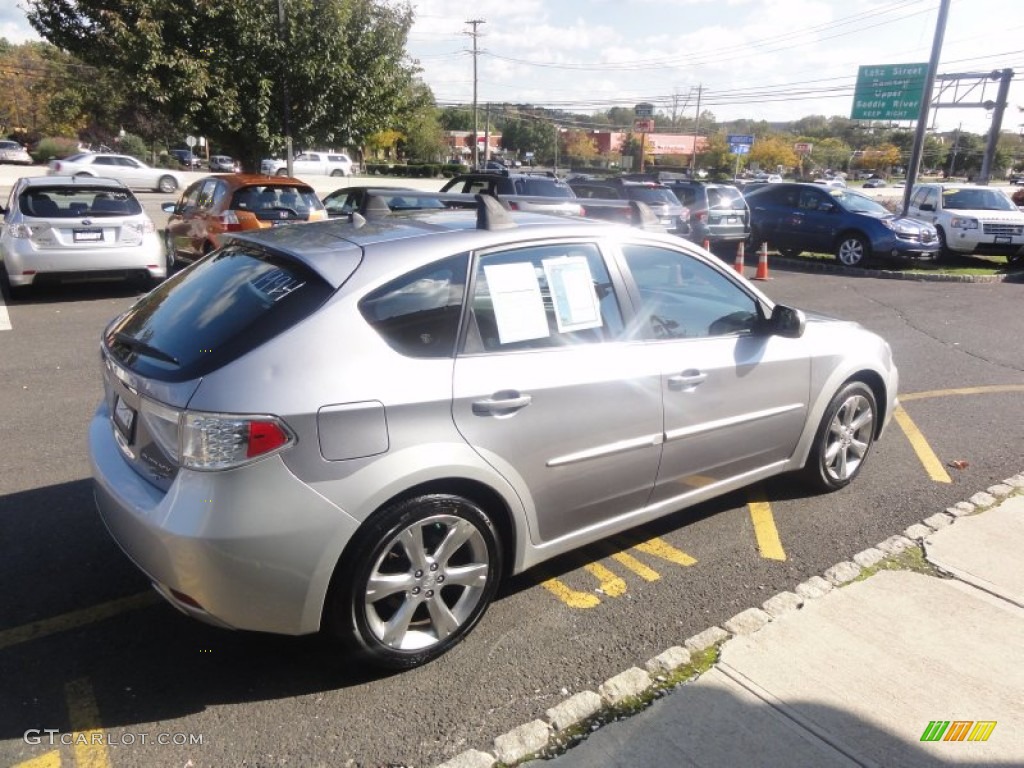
x,y
761,59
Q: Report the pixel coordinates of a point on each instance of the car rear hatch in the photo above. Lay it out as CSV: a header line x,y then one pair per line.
x,y
155,355
73,218
275,204
662,201
728,217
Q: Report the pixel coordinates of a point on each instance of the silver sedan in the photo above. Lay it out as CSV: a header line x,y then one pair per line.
x,y
364,425
133,172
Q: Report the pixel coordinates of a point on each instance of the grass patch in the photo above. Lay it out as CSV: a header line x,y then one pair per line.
x,y
967,266
910,559
700,662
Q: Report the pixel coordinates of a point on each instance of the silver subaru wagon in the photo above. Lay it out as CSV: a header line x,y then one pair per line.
x,y
361,426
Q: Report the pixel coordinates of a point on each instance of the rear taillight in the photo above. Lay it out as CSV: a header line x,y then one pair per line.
x,y
513,205
230,222
135,231
212,441
702,216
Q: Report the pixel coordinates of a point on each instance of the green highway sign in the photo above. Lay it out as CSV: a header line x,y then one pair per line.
x,y
889,92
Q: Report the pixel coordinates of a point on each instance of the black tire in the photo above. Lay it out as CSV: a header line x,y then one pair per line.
x,y
282,171
13,292
428,600
853,250
843,439
167,184
337,172
944,253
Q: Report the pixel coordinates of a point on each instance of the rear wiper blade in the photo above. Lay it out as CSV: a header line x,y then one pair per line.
x,y
146,349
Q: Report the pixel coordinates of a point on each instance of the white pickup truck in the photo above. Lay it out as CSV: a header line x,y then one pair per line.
x,y
311,164
971,219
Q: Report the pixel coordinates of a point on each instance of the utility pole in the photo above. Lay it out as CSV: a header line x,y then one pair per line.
x,y
282,33
475,34
696,128
926,99
956,145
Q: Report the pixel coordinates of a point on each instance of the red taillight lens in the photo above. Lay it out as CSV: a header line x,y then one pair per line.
x,y
513,205
230,222
264,436
702,216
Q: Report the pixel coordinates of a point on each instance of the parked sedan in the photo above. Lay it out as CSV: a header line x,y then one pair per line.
x,y
797,217
63,227
12,152
365,427
134,173
224,164
216,206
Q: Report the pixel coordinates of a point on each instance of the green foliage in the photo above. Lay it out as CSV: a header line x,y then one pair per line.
x,y
133,145
54,148
225,70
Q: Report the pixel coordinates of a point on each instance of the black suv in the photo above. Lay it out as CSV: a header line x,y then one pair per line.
x,y
658,197
506,183
718,212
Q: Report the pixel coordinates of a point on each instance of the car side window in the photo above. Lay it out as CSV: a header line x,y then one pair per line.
x,y
206,194
684,298
542,296
418,314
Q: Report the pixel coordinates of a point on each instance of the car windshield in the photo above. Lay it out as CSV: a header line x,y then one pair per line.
x,y
976,200
68,202
851,201
657,195
725,197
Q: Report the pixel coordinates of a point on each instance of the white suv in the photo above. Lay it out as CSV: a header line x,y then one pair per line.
x,y
311,163
971,219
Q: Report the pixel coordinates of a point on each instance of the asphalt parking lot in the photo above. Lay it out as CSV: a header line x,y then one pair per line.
x,y
85,648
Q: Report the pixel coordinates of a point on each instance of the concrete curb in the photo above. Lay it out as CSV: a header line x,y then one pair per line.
x,y
662,673
800,265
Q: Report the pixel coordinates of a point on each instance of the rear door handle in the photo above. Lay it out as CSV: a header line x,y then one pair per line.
x,y
501,403
686,380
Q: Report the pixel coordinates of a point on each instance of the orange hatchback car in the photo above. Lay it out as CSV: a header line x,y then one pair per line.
x,y
217,205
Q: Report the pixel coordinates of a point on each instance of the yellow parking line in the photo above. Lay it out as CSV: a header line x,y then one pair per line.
x,y
88,737
987,390
924,452
768,541
609,583
574,598
75,619
659,548
641,570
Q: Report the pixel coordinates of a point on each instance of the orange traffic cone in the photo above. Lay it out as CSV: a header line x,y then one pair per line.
x,y
741,258
706,244
762,263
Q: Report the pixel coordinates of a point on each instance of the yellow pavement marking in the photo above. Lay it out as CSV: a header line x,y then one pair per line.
x,y
641,570
49,760
768,541
88,737
986,390
75,619
924,452
609,583
574,598
658,548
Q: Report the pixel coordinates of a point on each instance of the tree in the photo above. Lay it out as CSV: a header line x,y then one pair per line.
x,y
773,151
580,147
226,70
832,153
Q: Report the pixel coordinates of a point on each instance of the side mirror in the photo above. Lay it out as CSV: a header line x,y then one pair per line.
x,y
169,207
926,207
787,322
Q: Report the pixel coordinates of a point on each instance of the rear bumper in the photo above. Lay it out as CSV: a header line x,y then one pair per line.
x,y
254,547
24,262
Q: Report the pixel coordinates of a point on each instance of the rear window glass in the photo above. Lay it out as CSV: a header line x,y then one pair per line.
x,y
725,197
270,197
76,201
214,312
659,195
543,188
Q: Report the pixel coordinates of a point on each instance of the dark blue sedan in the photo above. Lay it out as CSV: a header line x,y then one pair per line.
x,y
808,217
